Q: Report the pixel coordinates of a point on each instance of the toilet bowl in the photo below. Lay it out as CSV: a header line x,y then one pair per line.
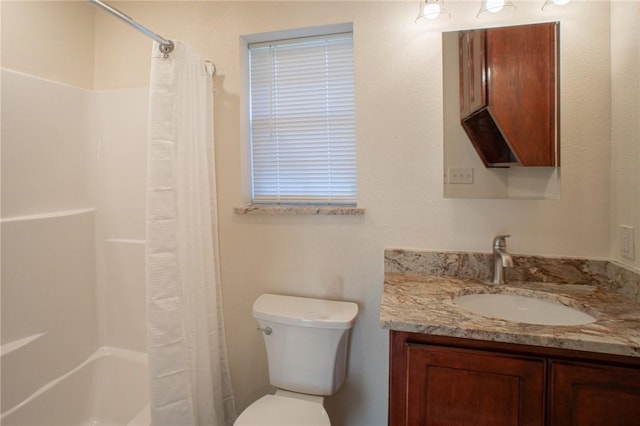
x,y
306,341
284,409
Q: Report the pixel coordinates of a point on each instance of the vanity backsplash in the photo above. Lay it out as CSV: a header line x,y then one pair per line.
x,y
562,270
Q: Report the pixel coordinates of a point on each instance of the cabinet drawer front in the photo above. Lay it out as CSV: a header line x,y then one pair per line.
x,y
451,387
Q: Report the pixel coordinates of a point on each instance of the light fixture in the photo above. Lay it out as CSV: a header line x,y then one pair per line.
x,y
431,10
558,2
494,6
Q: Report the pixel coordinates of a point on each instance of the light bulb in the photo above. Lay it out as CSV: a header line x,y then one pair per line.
x,y
555,2
495,6
431,10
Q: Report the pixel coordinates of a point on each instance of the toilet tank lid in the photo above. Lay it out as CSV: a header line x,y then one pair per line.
x,y
305,311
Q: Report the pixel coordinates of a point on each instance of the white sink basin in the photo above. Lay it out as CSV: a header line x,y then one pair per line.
x,y
525,309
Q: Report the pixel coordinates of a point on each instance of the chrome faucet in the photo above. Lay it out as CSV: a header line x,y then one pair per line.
x,y
501,259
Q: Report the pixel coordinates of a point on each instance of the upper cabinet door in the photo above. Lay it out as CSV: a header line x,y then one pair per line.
x,y
522,90
473,92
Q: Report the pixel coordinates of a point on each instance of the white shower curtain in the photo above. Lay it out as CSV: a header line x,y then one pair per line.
x,y
189,373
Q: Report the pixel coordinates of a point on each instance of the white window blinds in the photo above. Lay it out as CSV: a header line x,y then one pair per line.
x,y
302,121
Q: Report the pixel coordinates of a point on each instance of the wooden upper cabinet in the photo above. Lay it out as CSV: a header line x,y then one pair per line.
x,y
522,70
473,93
509,94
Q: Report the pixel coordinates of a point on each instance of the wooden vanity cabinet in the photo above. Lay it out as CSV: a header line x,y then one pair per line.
x,y
436,380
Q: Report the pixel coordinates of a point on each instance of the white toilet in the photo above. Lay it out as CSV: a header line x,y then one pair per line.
x,y
306,343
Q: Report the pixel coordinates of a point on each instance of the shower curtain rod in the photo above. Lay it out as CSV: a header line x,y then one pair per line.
x,y
166,46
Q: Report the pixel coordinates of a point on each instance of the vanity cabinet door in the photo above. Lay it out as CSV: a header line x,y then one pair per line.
x,y
460,387
584,394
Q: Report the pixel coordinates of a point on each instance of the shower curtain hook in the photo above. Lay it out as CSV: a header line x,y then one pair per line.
x,y
167,48
212,67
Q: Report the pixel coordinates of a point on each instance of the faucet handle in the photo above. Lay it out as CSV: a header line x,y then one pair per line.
x,y
500,241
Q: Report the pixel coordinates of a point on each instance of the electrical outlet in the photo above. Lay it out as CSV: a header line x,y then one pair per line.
x,y
627,242
461,175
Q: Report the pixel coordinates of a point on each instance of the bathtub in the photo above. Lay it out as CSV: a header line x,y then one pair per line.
x,y
109,388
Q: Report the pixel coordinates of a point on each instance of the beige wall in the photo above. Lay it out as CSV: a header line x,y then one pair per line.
x,y
49,39
625,120
399,131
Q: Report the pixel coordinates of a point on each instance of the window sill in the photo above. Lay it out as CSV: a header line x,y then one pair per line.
x,y
293,210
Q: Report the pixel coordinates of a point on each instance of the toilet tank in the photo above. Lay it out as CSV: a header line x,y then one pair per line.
x,y
307,343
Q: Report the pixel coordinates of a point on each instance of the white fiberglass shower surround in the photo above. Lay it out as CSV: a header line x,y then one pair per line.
x,y
73,325
74,331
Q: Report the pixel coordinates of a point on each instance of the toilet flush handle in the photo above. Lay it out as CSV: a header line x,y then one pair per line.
x,y
266,330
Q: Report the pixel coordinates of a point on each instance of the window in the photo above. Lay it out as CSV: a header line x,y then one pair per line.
x,y
302,121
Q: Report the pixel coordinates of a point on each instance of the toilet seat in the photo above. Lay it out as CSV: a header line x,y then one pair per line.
x,y
277,410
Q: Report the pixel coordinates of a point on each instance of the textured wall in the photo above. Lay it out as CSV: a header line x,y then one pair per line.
x,y
625,120
49,39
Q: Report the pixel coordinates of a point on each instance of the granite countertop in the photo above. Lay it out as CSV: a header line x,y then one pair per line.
x,y
423,303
